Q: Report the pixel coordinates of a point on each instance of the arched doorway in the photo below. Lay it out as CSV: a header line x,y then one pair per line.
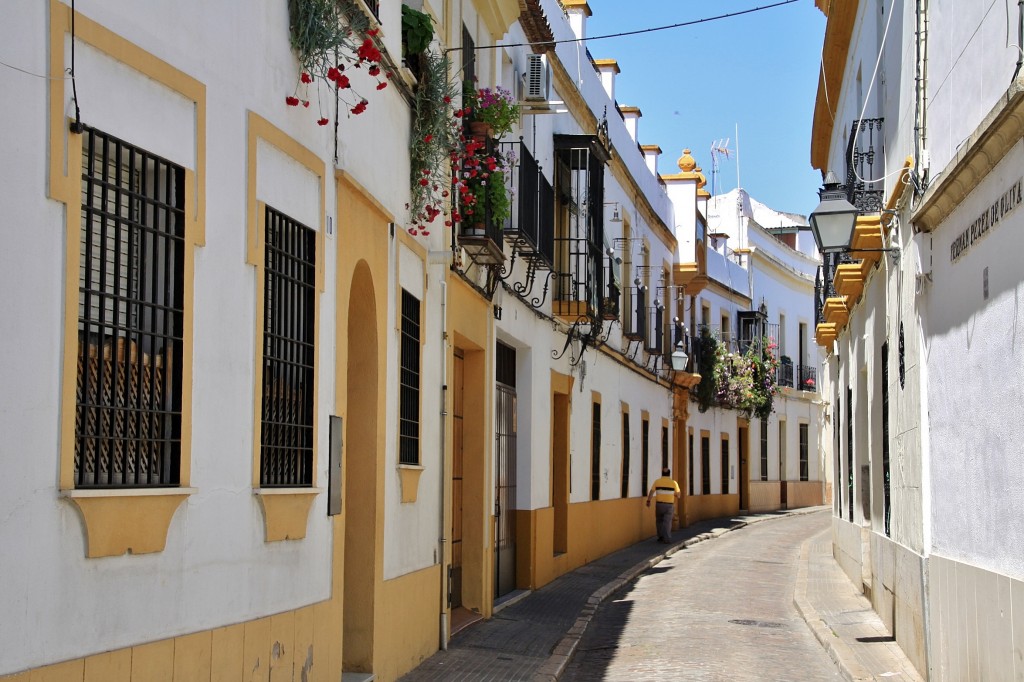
x,y
361,457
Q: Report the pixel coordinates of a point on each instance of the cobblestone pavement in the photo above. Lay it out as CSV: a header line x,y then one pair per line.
x,y
719,610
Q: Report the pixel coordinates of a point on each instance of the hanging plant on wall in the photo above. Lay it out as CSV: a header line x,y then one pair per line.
x,y
434,147
707,354
331,38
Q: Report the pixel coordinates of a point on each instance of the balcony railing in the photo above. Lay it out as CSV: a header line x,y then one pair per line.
x,y
786,375
481,237
865,166
807,378
531,227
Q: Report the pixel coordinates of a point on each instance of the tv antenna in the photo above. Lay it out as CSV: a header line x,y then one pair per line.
x,y
718,148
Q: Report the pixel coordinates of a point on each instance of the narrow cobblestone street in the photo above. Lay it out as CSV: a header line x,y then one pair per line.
x,y
720,610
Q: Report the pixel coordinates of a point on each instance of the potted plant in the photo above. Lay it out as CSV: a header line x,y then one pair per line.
x,y
493,111
483,195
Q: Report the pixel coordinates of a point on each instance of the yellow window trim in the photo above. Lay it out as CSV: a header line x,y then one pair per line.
x,y
136,519
128,521
285,510
409,475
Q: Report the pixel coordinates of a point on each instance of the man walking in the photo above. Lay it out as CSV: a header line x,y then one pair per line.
x,y
665,491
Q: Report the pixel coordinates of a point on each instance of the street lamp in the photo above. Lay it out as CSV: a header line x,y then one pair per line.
x,y
679,358
832,222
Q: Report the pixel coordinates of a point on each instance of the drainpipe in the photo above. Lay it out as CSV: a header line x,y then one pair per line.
x,y
1020,38
442,526
920,96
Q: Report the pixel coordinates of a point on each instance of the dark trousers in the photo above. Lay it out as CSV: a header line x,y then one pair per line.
x,y
663,512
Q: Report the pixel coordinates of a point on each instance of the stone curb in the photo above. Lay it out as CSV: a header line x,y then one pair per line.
x,y
553,668
838,650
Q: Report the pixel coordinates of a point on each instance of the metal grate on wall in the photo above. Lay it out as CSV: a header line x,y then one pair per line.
x,y
409,392
289,299
130,317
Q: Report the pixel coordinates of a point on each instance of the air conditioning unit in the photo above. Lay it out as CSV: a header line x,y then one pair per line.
x,y
538,78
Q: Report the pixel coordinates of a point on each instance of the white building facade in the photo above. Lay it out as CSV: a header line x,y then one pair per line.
x,y
921,380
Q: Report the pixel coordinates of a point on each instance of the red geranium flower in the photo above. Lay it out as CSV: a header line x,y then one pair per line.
x,y
382,85
306,78
322,122
374,70
291,101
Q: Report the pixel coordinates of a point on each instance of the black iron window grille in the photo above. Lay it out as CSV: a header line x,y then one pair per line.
x,y
531,226
804,453
645,451
636,320
664,448
865,166
764,449
595,452
725,466
409,380
689,453
130,317
786,372
289,352
655,328
625,454
885,438
705,464
808,378
849,449
579,224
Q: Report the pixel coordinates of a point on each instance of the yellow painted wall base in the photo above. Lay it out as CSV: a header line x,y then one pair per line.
x,y
700,507
803,494
595,529
294,645
764,496
409,622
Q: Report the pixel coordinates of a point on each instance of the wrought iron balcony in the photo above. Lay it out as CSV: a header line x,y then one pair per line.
x,y
808,378
865,166
530,229
480,234
786,374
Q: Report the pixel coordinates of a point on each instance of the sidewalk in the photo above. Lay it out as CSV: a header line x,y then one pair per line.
x,y
842,620
534,637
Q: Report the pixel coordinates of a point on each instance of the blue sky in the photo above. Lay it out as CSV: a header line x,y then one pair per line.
x,y
695,84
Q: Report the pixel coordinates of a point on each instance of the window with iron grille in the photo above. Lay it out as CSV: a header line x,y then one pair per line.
x,y
625,454
664,447
849,449
839,455
579,220
689,453
289,299
804,453
885,437
705,464
764,449
130,317
725,466
409,395
595,452
645,444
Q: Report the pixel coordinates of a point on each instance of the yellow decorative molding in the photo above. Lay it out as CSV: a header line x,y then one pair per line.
x,y
133,521
686,380
825,333
1002,128
836,312
607,64
498,15
582,5
838,32
849,280
570,310
285,511
409,475
867,234
650,148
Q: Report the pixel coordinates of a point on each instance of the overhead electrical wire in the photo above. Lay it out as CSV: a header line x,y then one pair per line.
x,y
694,22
